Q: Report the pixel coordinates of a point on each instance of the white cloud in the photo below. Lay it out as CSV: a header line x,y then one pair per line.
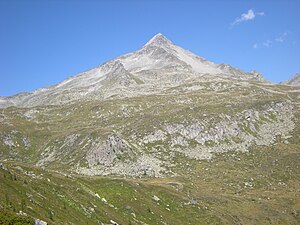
x,y
250,15
247,16
268,43
281,37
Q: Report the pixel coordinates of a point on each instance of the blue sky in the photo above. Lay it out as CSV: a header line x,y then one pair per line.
x,y
43,42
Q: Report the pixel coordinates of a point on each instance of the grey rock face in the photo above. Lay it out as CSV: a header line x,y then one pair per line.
x,y
179,140
7,140
106,152
39,222
155,136
294,81
26,142
227,133
144,166
12,141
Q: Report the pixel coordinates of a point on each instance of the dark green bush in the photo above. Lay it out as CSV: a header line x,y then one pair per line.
x,y
9,218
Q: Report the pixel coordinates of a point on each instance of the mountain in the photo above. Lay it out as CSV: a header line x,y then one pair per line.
x,y
157,136
159,65
102,121
294,81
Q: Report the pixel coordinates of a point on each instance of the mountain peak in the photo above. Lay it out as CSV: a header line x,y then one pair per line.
x,y
158,40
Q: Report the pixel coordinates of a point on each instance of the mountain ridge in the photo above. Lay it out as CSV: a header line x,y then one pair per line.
x,y
142,70
293,81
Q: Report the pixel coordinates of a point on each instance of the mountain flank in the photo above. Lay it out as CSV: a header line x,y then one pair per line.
x,y
156,136
157,66
294,81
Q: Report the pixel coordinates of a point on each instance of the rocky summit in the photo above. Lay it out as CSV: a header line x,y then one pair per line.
x,y
158,66
172,137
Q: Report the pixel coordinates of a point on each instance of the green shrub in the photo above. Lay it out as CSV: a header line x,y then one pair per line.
x,y
9,218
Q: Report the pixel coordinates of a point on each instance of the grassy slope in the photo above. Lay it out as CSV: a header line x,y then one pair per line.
x,y
258,187
143,114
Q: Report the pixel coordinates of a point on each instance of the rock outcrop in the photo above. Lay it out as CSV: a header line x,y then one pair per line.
x,y
294,81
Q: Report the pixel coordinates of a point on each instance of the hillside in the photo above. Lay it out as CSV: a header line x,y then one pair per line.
x,y
157,136
294,81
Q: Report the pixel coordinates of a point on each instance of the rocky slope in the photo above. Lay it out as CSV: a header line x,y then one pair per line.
x,y
294,81
157,66
135,115
174,135
145,135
